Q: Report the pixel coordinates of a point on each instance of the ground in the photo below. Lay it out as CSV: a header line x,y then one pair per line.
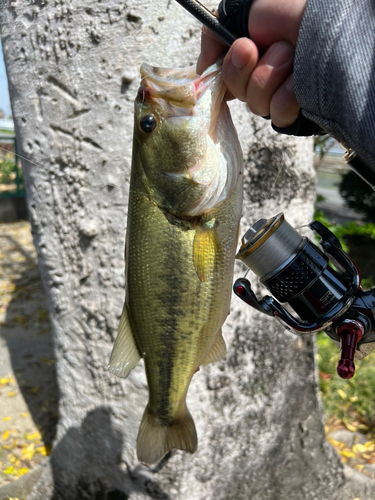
x,y
28,387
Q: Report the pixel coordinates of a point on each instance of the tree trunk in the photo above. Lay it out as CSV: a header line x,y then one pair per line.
x,y
73,76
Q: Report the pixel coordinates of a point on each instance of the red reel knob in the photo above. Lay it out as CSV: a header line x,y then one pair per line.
x,y
350,333
345,368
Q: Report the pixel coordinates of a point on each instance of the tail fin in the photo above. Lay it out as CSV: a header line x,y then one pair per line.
x,y
156,438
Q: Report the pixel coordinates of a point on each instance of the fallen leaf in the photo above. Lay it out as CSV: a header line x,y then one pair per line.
x,y
347,453
6,381
349,426
22,471
9,470
363,427
34,435
325,376
27,455
44,450
6,435
359,448
11,394
6,419
26,414
336,444
341,393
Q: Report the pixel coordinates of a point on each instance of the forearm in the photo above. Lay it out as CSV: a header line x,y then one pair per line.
x,y
334,71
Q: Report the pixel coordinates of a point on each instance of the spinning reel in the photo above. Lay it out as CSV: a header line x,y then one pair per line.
x,y
323,286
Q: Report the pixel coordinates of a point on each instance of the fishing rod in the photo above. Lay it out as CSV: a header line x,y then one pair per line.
x,y
290,266
231,24
206,17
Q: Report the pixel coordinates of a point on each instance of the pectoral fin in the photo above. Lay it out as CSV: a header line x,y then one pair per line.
x,y
218,351
125,355
205,250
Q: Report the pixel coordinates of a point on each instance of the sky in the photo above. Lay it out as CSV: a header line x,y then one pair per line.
x,y
4,95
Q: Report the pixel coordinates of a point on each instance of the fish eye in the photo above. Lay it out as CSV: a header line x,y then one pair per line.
x,y
147,124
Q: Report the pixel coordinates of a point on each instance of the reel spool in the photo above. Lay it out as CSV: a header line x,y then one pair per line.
x,y
298,273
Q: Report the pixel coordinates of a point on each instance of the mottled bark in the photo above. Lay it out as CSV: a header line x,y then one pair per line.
x,y
73,75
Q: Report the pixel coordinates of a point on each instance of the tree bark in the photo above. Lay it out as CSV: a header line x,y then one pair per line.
x,y
73,75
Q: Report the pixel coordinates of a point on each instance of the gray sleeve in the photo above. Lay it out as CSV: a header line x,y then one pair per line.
x,y
334,71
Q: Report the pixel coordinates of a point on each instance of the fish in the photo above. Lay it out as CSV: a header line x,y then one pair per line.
x,y
184,209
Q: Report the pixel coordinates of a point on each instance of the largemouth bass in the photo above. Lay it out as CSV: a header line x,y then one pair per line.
x,y
184,210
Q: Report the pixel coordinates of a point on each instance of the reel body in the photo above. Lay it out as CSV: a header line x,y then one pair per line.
x,y
322,285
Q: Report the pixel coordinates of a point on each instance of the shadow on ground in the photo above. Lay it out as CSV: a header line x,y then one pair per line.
x,y
25,331
87,465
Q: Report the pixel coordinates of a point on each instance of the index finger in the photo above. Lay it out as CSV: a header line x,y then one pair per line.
x,y
211,49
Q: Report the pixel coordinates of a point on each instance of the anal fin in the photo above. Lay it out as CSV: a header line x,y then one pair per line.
x,y
125,355
218,351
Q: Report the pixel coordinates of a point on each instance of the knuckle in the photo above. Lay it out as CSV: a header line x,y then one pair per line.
x,y
259,109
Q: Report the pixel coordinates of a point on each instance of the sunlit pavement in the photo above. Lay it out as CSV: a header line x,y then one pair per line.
x,y
28,389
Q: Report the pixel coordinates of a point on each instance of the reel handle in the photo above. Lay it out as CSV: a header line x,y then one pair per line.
x,y
350,332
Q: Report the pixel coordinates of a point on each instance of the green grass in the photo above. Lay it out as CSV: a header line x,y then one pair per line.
x,y
354,399
348,400
6,132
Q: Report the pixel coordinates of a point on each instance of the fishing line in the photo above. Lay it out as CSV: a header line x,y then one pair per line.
x,y
20,156
275,181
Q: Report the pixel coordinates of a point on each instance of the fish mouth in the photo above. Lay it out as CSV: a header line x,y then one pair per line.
x,y
179,88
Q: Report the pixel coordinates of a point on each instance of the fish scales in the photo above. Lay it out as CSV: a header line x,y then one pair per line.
x,y
180,250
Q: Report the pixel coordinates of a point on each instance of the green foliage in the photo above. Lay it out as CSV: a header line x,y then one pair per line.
x,y
335,228
358,195
8,176
346,399
344,231
6,170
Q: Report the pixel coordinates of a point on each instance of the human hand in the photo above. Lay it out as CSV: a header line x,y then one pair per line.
x,y
265,84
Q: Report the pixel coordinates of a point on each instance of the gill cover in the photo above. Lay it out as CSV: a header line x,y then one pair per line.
x,y
181,117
